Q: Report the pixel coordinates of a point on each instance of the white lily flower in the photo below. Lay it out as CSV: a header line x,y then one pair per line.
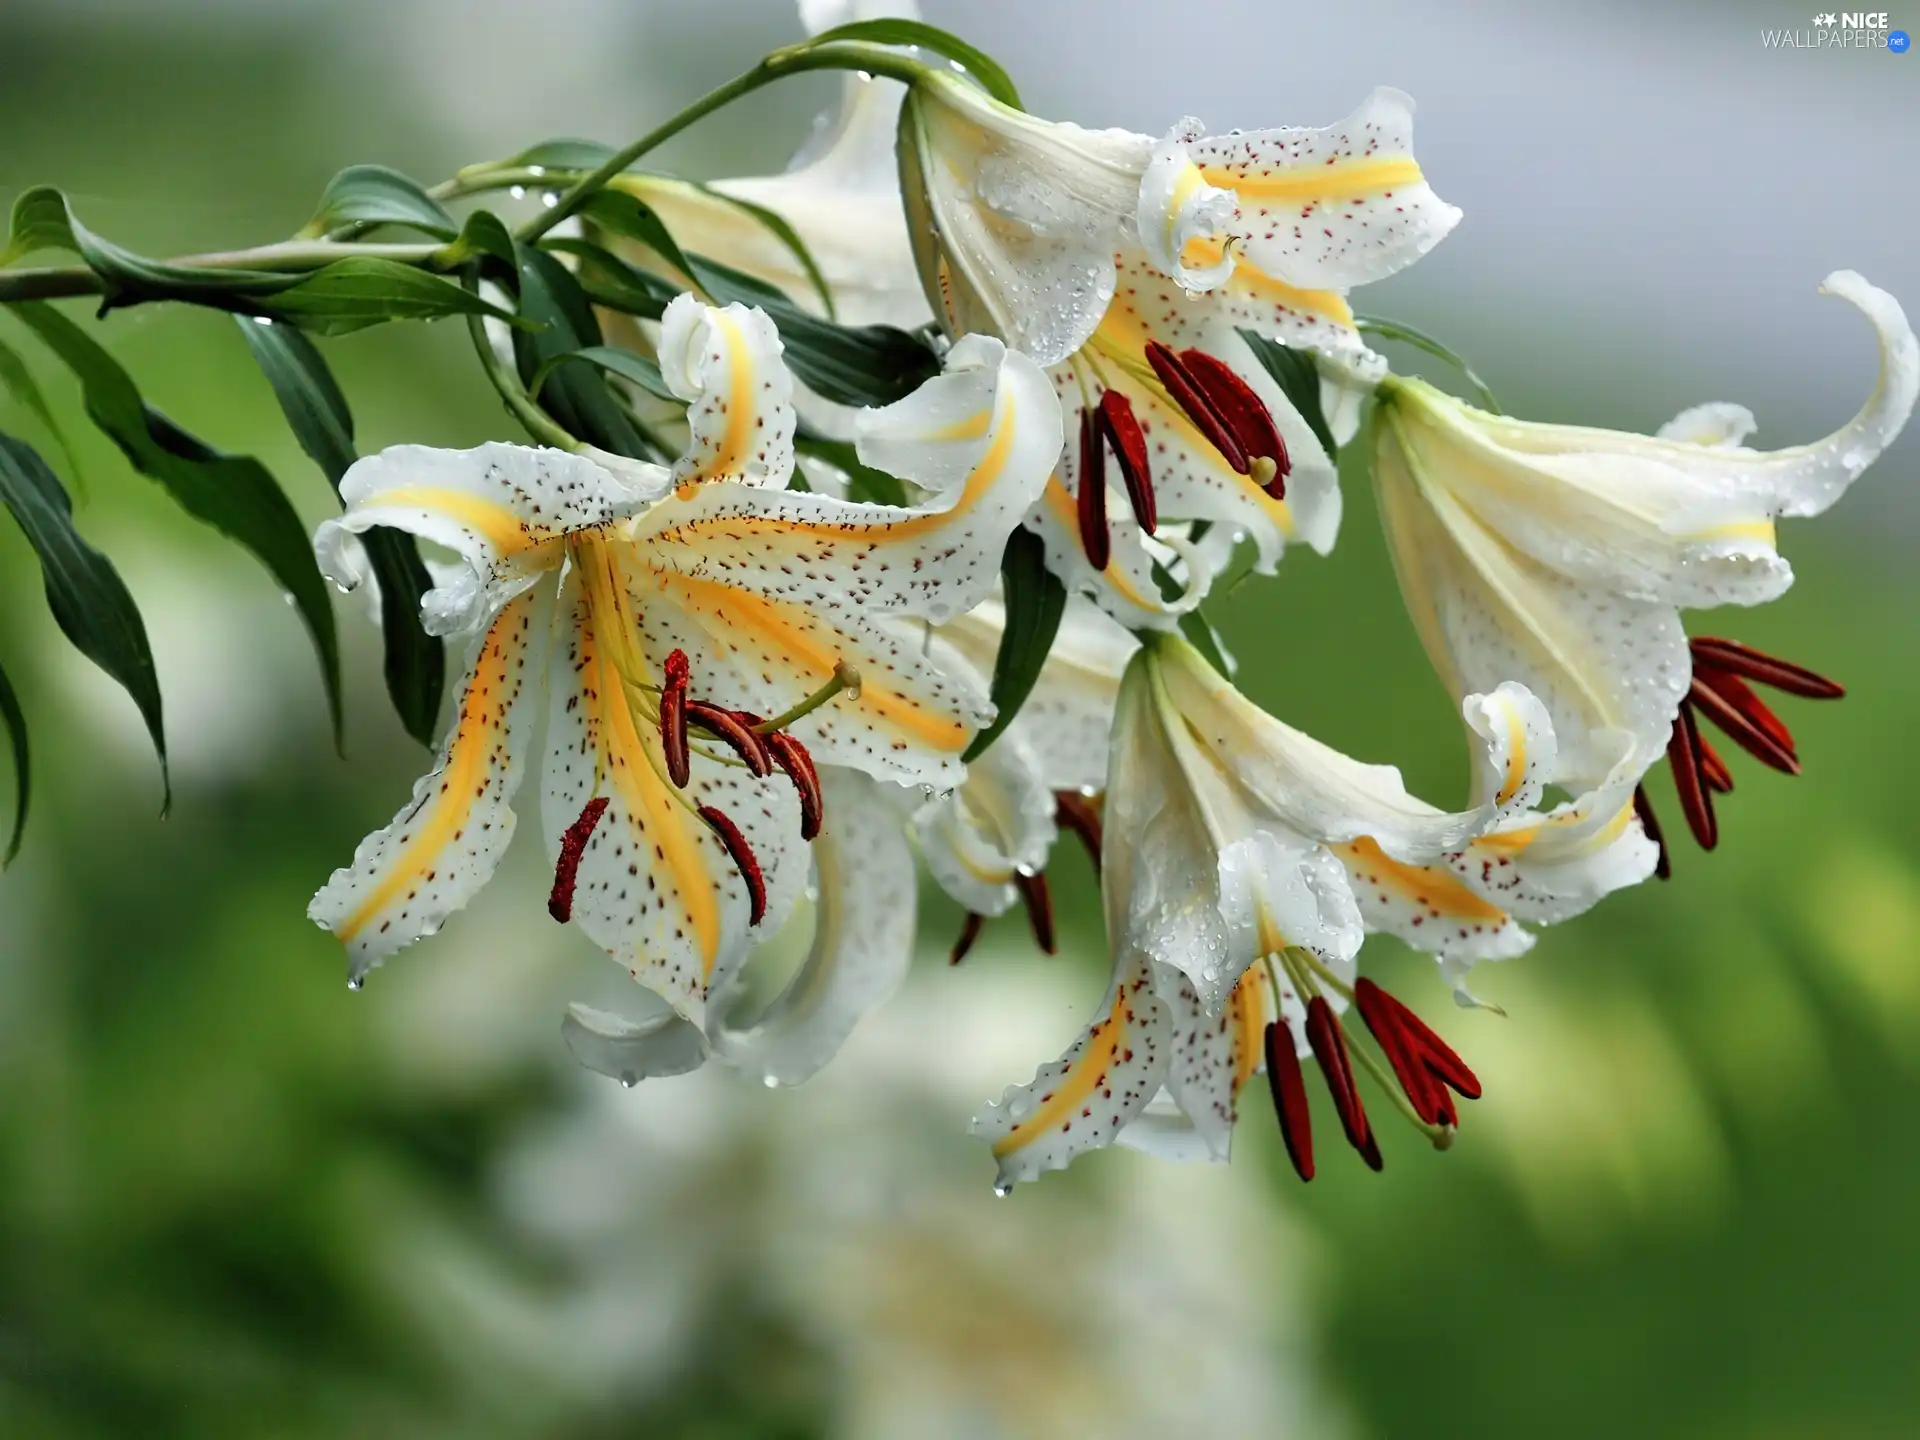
x,y
686,606
841,196
863,930
988,842
1219,852
1561,557
1016,220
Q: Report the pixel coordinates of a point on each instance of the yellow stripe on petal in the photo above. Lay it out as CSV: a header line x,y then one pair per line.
x,y
1516,760
644,795
505,531
1248,1006
1076,1087
1342,180
737,438
1329,305
971,428
788,628
478,744
1435,890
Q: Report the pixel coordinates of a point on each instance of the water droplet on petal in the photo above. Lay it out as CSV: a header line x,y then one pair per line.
x,y
1003,1189
357,983
518,192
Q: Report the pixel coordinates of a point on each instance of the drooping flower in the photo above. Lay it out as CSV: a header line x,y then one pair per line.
x,y
1561,557
987,843
1244,861
714,639
1016,220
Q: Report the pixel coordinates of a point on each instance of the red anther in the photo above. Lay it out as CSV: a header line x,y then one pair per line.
x,y
1078,813
1094,537
573,845
1737,693
1188,395
1434,1053
1381,1012
791,756
1129,443
1744,660
1683,756
744,860
1245,413
1329,1045
1649,822
1713,770
673,718
1290,1098
736,730
1746,720
969,932
1032,886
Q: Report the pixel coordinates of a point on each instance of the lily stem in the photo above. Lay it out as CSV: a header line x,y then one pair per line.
x,y
793,60
535,421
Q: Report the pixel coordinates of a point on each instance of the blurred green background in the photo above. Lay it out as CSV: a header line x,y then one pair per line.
x,y
237,1200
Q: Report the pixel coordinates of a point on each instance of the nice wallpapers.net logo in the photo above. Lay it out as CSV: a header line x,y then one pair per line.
x,y
1841,30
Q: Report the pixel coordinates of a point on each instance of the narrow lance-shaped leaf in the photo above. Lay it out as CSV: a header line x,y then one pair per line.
x,y
317,412
232,493
364,290
367,195
19,382
565,154
627,364
577,398
917,33
850,365
1298,377
16,722
43,220
88,599
1035,601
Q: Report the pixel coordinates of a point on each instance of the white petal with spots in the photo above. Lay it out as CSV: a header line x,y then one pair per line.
x,y
406,879
726,364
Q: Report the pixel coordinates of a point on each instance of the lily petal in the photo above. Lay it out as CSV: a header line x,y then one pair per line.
x,y
406,879
862,940
1083,1100
505,509
631,1050
657,888
726,364
1332,207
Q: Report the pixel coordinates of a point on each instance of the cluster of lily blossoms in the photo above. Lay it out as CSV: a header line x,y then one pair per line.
x,y
752,686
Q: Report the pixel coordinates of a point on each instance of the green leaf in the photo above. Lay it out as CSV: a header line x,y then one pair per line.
x,y
1035,601
367,195
863,481
863,365
575,396
43,220
1420,340
88,599
416,662
16,719
1298,377
361,291
612,283
232,493
625,363
977,63
484,234
1204,638
565,154
19,381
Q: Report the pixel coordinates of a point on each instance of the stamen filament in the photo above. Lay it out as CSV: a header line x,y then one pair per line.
x,y
845,677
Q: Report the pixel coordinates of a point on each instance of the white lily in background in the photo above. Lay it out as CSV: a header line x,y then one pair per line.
x,y
688,606
1016,220
1221,851
1561,557
987,843
841,196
